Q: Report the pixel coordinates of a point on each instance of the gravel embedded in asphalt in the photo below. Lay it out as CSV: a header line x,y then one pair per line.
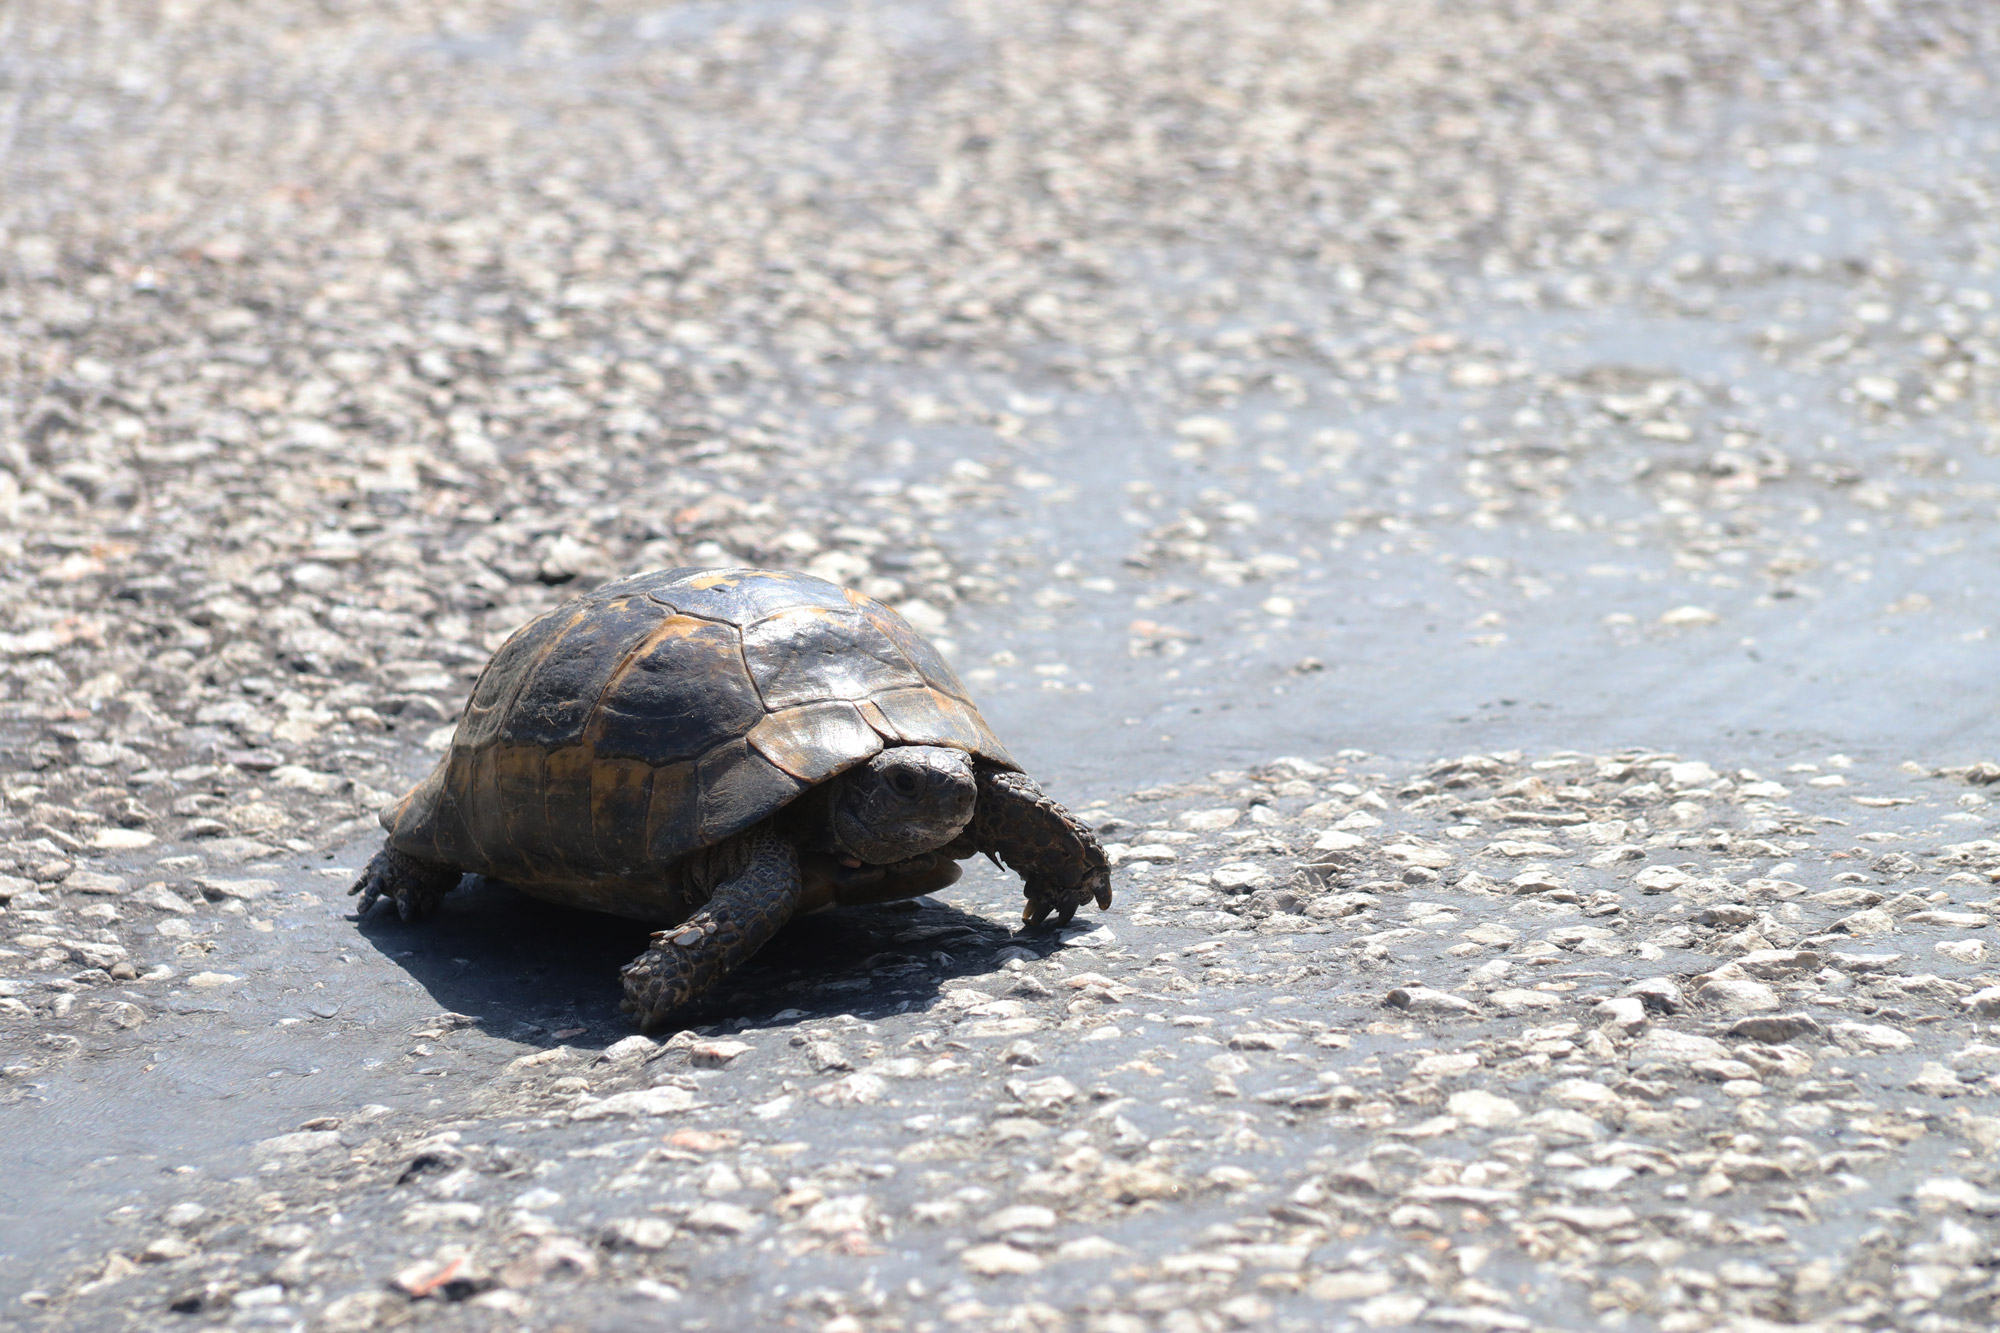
x,y
1603,394
1394,1047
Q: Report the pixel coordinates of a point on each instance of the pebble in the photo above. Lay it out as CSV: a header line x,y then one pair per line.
x,y
634,1047
94,882
1674,1047
716,1054
304,1141
999,1258
727,1219
1421,999
667,1100
1483,1110
637,1233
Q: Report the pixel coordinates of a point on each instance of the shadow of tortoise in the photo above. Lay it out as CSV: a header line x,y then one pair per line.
x,y
543,975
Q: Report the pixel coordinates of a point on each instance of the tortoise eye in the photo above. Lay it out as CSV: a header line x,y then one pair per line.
x,y
903,782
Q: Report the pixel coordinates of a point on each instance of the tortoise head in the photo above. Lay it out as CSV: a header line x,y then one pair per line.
x,y
907,800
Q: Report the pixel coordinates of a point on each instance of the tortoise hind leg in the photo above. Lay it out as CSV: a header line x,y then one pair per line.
x,y
1060,863
743,911
415,886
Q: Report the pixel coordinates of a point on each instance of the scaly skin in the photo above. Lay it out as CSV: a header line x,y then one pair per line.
x,y
743,911
1060,863
415,887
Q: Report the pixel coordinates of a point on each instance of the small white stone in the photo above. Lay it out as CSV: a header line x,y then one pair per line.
x,y
1985,1003
667,1100
1238,876
1516,1000
1424,1000
1691,774
304,1141
998,1259
861,1089
1392,1310
1020,1217
1094,1249
1873,1036
634,1047
1591,1220
1349,1285
1673,1047
1737,995
433,1216
1482,1109
1944,1192
731,1219
715,1054
638,1233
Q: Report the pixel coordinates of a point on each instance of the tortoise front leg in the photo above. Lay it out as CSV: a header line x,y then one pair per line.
x,y
742,912
1059,861
415,886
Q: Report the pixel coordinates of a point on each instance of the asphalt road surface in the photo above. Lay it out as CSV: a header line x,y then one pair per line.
x,y
1490,509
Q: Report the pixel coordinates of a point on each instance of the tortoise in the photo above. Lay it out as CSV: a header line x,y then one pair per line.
x,y
716,751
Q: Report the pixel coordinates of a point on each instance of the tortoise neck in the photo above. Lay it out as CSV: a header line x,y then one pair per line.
x,y
809,820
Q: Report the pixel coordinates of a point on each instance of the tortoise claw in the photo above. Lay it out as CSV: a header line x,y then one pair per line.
x,y
1060,862
415,887
1044,899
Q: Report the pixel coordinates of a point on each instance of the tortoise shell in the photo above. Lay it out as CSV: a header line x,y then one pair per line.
x,y
664,712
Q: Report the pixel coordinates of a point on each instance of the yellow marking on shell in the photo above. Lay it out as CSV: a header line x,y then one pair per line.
x,y
872,715
619,801
924,716
466,848
517,768
566,805
610,610
814,741
479,810
518,781
657,719
478,725
719,579
861,601
676,626
960,714
673,808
